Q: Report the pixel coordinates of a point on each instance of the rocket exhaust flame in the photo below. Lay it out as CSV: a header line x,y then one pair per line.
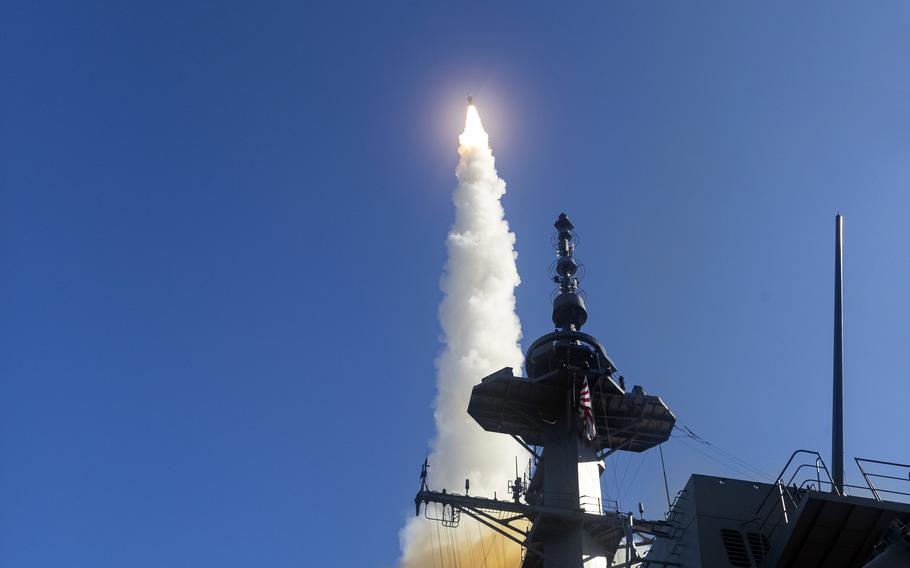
x,y
474,136
481,333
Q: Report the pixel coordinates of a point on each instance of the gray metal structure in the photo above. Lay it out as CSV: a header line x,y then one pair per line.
x,y
809,517
798,521
541,412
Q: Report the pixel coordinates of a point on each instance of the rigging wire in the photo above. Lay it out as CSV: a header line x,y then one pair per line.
x,y
756,469
458,548
482,545
438,547
493,550
728,465
623,480
502,550
603,409
615,469
473,546
448,545
687,432
451,544
663,467
641,462
470,544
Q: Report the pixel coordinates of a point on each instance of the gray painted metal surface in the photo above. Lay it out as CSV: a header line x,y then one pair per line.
x,y
719,522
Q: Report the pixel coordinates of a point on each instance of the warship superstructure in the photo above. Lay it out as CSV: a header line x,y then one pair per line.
x,y
573,408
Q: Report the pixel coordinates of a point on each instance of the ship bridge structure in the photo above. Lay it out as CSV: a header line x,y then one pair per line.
x,y
571,408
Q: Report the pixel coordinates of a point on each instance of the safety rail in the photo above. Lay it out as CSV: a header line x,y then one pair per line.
x,y
807,485
590,504
870,488
790,493
598,504
670,515
868,476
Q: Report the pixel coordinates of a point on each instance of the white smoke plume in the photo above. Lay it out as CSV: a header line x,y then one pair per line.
x,y
481,335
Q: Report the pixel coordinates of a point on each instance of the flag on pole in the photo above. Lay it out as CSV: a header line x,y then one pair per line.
x,y
585,411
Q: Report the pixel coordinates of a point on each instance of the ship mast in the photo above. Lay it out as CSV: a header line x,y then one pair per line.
x,y
568,410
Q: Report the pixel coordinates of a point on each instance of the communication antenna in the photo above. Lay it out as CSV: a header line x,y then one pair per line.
x,y
837,418
517,486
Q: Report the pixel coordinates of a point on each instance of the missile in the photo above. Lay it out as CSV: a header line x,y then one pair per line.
x,y
470,100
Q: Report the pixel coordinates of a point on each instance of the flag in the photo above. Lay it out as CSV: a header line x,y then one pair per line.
x,y
585,411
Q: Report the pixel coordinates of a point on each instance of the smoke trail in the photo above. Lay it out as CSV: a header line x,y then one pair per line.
x,y
481,334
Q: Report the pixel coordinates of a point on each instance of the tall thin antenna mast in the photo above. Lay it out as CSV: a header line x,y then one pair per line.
x,y
837,415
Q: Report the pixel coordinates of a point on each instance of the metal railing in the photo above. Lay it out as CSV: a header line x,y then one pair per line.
x,y
573,501
875,491
790,492
891,466
598,505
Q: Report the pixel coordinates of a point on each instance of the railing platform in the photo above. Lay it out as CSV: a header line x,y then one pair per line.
x,y
632,421
835,531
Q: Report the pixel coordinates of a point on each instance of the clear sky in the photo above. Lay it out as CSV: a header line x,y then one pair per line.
x,y
223,224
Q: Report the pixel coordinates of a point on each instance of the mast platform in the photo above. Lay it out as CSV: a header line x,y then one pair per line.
x,y
633,421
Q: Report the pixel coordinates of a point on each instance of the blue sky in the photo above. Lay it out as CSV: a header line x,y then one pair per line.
x,y
223,224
